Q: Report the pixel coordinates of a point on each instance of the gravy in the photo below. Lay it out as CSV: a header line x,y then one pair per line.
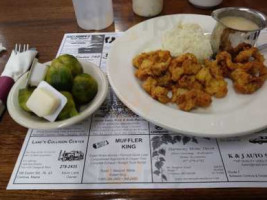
x,y
239,23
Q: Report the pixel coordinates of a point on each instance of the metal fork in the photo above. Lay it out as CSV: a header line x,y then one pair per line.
x,y
21,48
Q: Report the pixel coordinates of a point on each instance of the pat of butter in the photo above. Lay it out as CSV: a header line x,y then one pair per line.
x,y
42,102
46,101
38,74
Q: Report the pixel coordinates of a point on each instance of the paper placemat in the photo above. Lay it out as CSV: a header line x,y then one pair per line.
x,y
115,148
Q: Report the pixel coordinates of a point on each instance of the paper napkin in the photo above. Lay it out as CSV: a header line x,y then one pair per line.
x,y
18,64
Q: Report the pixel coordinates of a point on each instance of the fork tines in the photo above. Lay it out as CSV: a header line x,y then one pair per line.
x,y
21,48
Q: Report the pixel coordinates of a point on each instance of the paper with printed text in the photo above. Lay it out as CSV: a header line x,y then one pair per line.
x,y
115,148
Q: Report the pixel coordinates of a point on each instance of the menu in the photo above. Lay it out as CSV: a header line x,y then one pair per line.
x,y
116,149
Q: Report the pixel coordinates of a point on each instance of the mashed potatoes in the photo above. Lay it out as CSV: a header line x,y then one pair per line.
x,y
187,38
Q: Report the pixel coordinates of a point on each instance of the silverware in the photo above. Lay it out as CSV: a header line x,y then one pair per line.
x,y
8,82
21,48
226,38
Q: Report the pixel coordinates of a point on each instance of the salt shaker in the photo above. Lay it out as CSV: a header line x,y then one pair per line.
x,y
147,8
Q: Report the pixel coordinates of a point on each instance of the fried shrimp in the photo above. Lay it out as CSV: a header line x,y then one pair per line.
x,y
246,55
217,88
189,82
149,84
224,60
165,80
214,68
138,60
245,83
154,63
191,99
157,92
160,94
212,79
184,81
245,66
184,65
204,76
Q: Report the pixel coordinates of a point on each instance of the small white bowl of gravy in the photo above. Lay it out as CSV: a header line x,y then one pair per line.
x,y
234,26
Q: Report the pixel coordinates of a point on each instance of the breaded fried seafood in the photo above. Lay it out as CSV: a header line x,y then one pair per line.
x,y
184,81
244,65
181,80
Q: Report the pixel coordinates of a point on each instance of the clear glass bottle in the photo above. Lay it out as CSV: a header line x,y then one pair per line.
x,y
147,8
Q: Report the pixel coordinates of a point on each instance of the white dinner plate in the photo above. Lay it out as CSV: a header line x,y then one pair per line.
x,y
234,115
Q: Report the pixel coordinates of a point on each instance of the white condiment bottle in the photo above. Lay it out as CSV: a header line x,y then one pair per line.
x,y
205,3
93,14
147,8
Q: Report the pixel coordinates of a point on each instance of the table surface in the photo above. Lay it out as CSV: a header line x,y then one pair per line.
x,y
42,24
